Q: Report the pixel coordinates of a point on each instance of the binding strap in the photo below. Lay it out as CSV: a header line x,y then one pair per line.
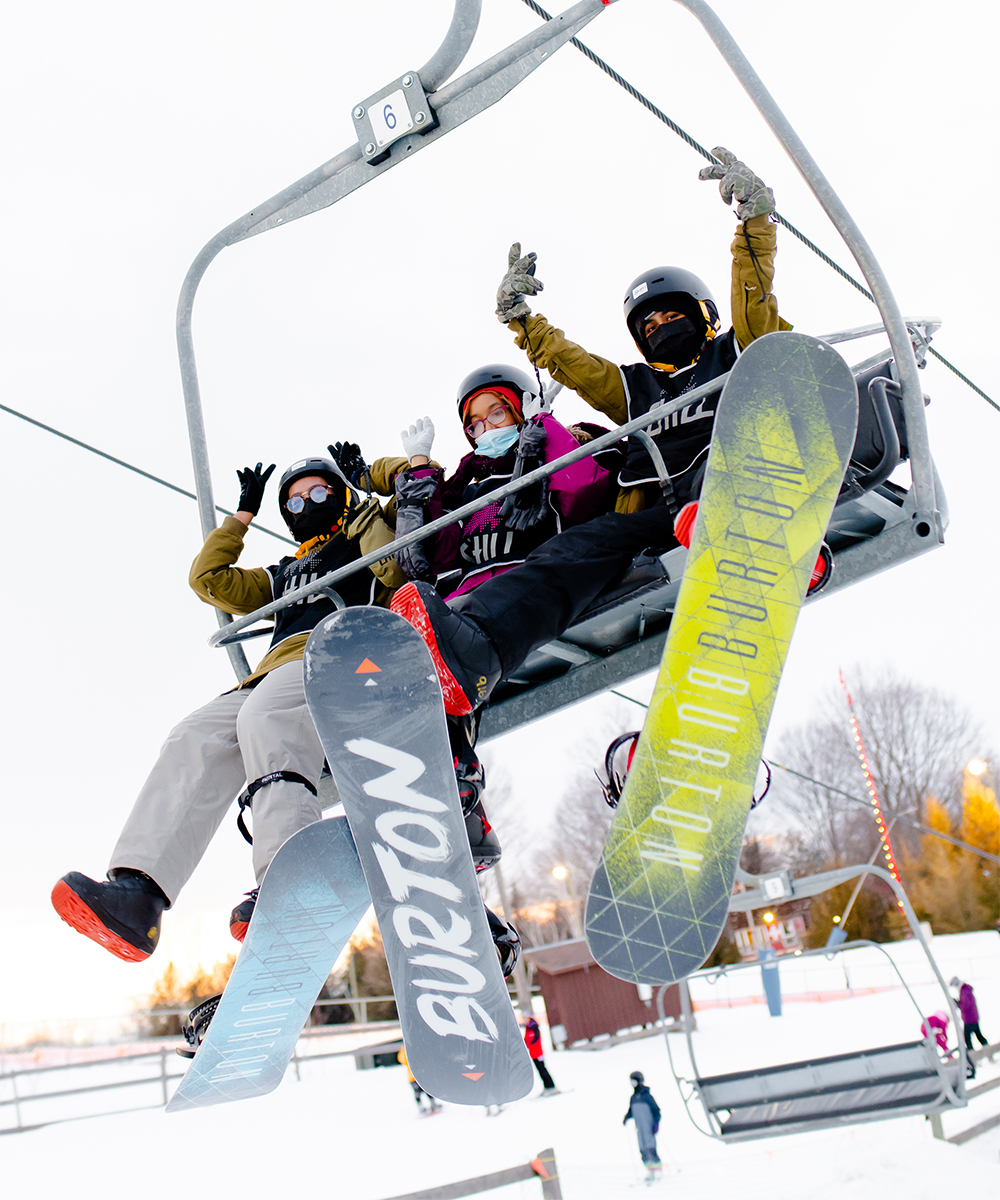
x,y
245,799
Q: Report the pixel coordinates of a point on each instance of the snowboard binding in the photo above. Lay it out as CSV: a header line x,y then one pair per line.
x,y
199,1019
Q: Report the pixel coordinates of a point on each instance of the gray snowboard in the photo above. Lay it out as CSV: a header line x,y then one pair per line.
x,y
312,898
377,705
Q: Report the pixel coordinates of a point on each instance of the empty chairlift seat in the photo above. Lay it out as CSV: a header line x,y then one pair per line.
x,y
889,1081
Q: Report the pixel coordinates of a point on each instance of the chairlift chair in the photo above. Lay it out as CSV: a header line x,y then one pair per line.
x,y
875,1084
878,523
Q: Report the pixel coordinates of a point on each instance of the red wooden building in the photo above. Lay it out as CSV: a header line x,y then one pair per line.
x,y
582,1001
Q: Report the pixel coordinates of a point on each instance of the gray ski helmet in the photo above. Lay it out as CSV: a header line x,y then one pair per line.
x,y
637,1077
524,386
325,468
657,282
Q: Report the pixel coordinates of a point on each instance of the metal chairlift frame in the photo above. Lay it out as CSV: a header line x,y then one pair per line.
x,y
875,1081
428,108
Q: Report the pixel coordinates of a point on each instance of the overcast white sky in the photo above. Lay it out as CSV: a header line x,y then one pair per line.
x,y
135,132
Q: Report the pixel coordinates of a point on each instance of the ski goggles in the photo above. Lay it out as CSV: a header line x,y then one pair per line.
x,y
317,494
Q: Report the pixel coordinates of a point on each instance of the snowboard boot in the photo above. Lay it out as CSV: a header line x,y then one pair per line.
x,y
121,914
239,918
822,571
507,942
471,779
465,659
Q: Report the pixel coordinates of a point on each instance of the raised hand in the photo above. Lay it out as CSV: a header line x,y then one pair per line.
x,y
418,439
737,182
518,282
253,480
348,456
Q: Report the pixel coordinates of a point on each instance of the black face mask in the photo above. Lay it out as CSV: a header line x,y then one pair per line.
x,y
314,519
675,344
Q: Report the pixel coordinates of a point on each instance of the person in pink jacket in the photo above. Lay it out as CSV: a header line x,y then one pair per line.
x,y
511,431
936,1023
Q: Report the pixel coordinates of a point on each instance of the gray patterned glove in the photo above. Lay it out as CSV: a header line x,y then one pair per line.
x,y
737,182
412,496
530,505
519,282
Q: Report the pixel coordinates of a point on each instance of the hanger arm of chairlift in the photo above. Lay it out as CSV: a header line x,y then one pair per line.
x,y
912,398
452,106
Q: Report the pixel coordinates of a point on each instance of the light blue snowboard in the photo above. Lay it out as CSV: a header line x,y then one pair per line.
x,y
312,898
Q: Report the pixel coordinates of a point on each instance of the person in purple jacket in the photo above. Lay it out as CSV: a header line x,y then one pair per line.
x,y
969,1011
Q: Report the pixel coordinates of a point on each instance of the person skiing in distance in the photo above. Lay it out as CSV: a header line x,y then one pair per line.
x,y
533,1040
644,1110
259,733
937,1024
969,1012
482,635
433,1105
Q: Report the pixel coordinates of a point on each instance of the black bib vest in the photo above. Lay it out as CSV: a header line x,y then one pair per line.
x,y
683,438
292,573
488,542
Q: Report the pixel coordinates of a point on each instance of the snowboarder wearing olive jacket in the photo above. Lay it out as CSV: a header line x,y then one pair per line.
x,y
259,733
478,638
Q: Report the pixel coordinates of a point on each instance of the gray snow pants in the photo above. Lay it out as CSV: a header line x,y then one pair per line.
x,y
644,1130
204,763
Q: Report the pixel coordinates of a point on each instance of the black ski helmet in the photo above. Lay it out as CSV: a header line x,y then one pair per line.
x,y
524,386
325,468
637,1078
689,295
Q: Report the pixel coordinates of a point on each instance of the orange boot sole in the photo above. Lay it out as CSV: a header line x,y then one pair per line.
x,y
84,920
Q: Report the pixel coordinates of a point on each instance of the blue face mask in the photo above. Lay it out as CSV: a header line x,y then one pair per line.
x,y
495,443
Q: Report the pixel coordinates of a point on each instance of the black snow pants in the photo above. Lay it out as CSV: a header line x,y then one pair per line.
x,y
538,600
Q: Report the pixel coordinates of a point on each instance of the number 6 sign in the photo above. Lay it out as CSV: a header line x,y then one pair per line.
x,y
390,118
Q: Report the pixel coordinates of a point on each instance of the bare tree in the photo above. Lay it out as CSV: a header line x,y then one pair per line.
x,y
917,741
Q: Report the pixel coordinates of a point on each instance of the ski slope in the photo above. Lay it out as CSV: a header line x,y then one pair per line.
x,y
356,1135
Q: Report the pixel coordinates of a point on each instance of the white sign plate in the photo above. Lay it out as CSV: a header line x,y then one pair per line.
x,y
390,118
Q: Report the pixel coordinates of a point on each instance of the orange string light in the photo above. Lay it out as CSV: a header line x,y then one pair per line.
x,y
890,858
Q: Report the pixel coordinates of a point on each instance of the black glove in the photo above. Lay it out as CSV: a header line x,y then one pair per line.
x,y
348,456
252,483
531,504
412,495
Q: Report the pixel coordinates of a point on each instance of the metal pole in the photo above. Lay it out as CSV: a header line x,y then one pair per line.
x,y
861,878
906,363
448,56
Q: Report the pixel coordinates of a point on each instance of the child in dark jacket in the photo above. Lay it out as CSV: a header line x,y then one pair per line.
x,y
644,1110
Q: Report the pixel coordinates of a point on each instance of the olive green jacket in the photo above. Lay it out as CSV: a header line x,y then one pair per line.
x,y
216,579
599,381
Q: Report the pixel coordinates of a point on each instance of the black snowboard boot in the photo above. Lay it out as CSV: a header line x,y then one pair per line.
x,y
465,659
507,942
122,914
239,918
471,780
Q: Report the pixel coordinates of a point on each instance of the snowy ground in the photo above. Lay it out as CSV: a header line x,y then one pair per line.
x,y
356,1135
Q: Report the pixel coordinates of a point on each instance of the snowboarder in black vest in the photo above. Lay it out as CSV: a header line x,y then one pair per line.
x,y
478,638
258,735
